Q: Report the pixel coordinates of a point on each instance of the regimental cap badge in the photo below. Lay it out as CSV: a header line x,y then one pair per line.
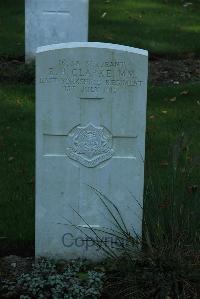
x,y
90,145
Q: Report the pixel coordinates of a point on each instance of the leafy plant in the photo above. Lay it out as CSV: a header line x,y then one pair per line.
x,y
47,281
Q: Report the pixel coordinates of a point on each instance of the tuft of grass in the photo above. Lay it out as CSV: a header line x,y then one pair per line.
x,y
168,265
171,205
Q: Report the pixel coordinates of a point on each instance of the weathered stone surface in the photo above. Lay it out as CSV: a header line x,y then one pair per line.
x,y
91,120
54,21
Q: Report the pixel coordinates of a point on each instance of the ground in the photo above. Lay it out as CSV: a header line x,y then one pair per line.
x,y
12,265
161,71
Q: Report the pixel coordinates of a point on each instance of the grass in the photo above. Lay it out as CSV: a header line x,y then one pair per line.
x,y
17,165
18,154
12,28
168,264
164,27
171,111
172,161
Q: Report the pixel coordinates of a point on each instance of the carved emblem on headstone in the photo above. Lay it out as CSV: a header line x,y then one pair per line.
x,y
90,145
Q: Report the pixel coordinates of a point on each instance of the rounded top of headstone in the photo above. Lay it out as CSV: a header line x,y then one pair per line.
x,y
95,45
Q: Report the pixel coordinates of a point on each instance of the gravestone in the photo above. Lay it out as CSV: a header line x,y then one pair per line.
x,y
90,128
54,21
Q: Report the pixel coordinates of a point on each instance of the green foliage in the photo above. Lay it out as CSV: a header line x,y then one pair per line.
x,y
12,28
17,130
160,276
46,281
171,205
167,263
161,26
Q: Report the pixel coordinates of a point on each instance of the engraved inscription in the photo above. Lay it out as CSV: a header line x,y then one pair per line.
x,y
92,77
90,145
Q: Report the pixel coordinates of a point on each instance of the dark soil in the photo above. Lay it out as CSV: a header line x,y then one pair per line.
x,y
13,266
20,248
161,71
164,71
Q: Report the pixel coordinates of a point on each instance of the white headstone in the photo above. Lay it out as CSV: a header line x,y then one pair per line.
x,y
54,21
90,128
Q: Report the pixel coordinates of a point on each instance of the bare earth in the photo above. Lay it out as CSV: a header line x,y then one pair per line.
x,y
161,71
164,71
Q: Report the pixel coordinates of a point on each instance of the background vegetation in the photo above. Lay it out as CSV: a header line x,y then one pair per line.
x,y
164,27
